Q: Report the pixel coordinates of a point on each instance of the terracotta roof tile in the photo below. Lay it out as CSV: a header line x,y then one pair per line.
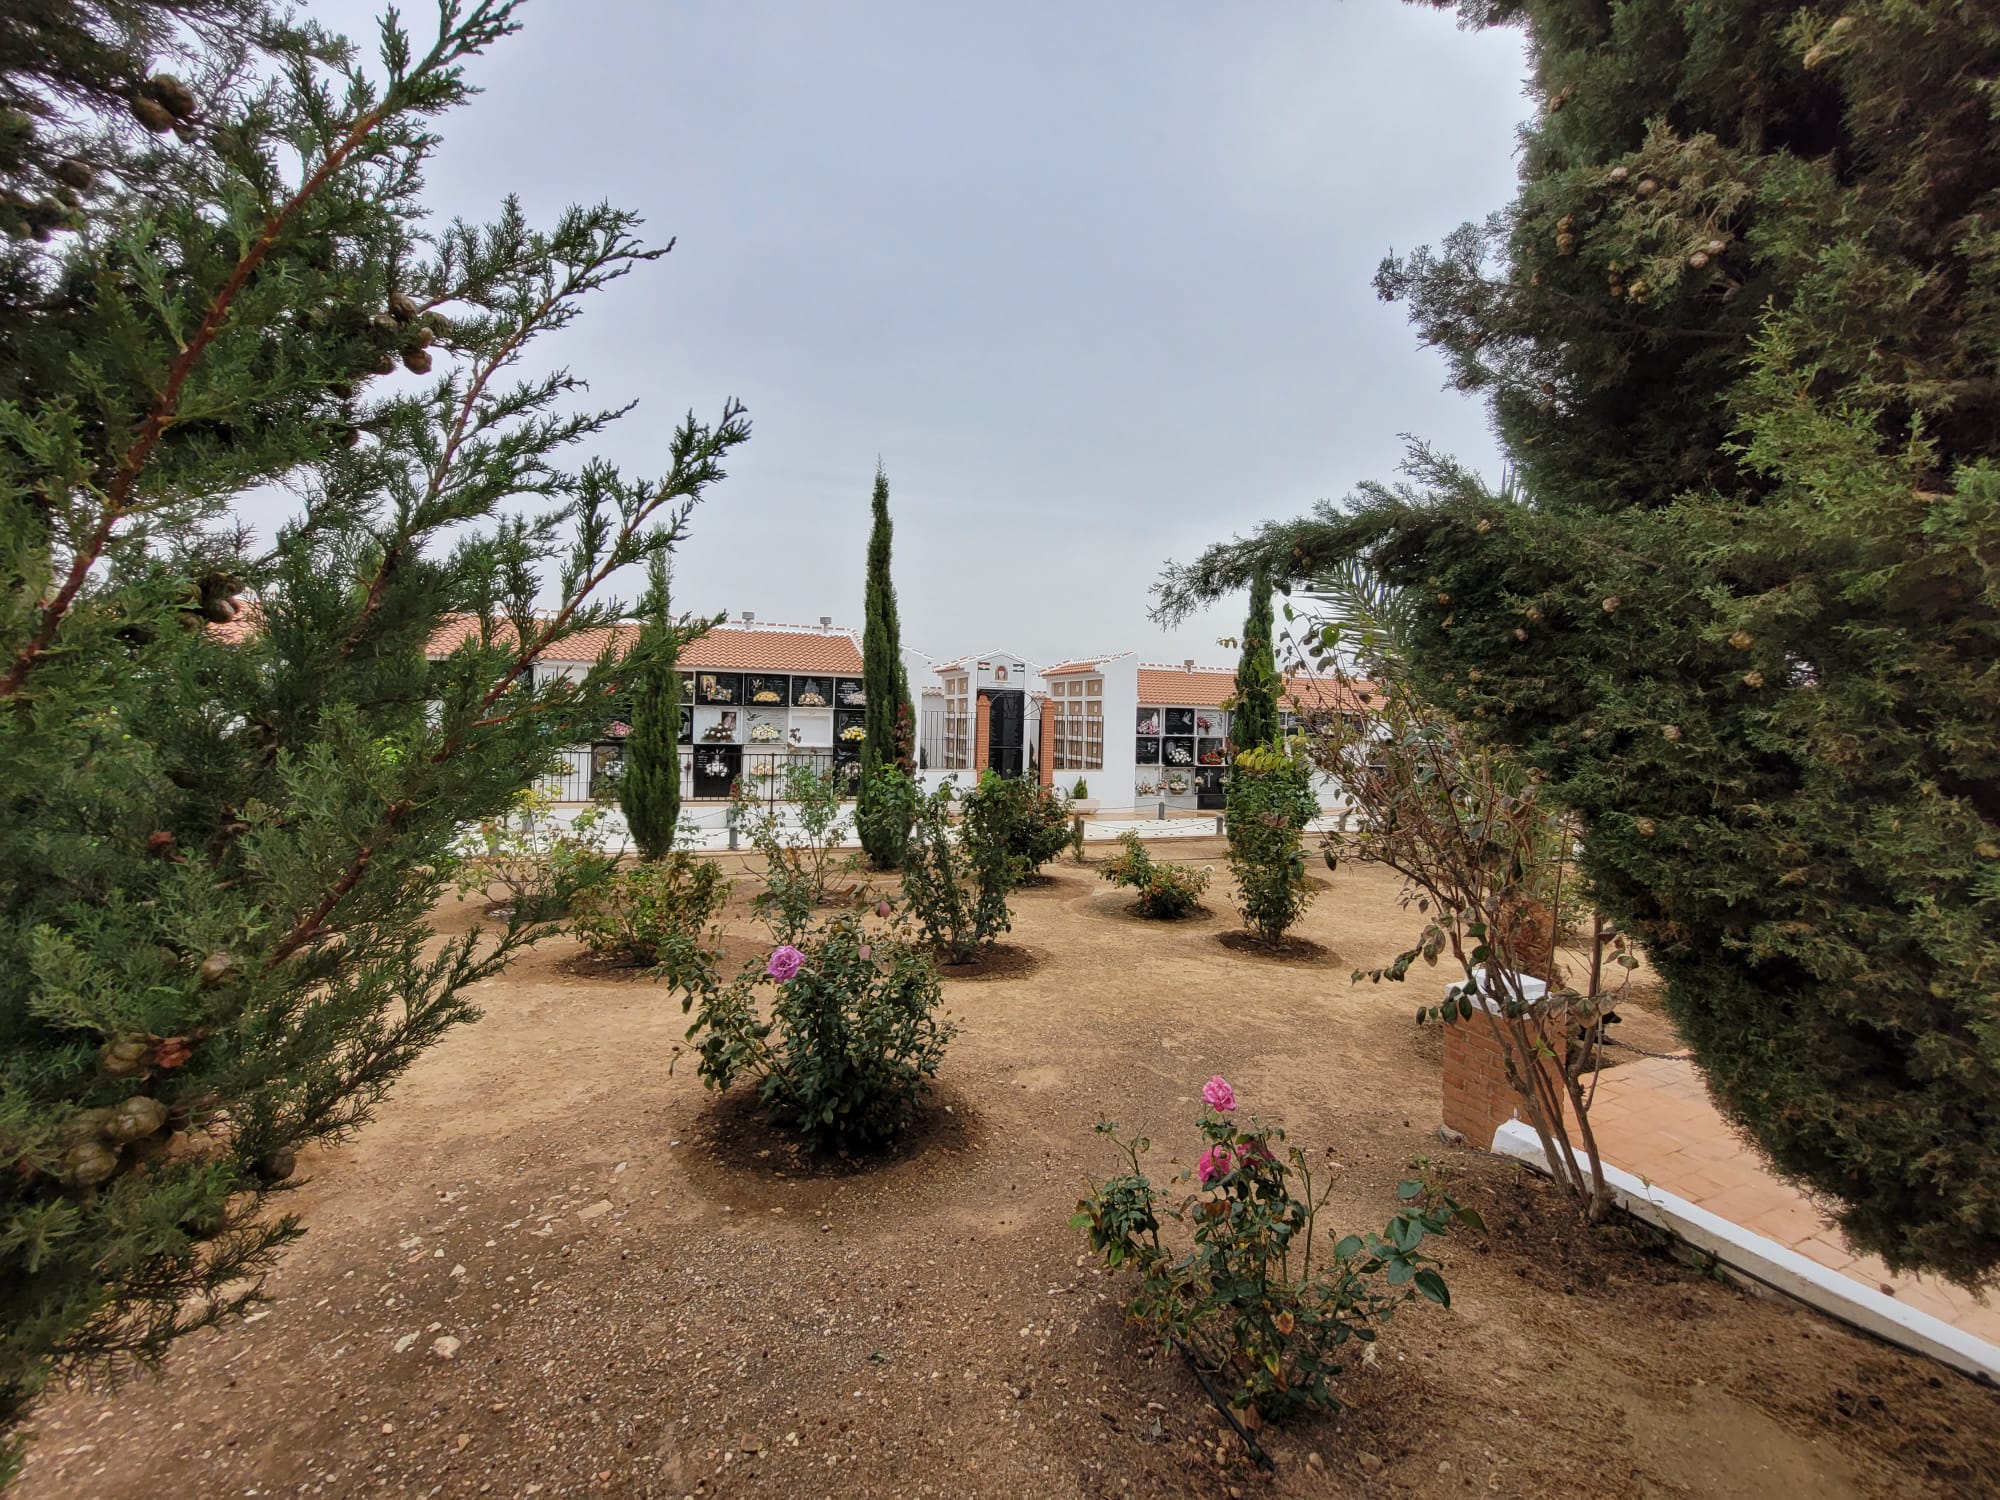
x,y
249,620
1205,687
727,648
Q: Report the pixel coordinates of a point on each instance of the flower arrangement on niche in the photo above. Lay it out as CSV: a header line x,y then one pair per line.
x,y
1177,784
1178,755
715,765
1146,788
1211,757
1202,723
765,734
811,697
716,692
854,734
766,695
852,696
1150,724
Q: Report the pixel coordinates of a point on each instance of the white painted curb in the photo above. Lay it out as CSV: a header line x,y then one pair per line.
x,y
1777,1266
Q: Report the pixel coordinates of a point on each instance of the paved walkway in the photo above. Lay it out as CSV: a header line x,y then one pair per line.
x,y
1654,1119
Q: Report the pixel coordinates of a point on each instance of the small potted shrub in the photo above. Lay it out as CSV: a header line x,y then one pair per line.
x,y
1080,800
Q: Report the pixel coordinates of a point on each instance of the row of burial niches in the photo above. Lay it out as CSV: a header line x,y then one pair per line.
x,y
771,711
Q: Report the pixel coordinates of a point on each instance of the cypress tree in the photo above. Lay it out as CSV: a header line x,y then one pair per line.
x,y
1738,332
649,786
1255,720
887,715
233,780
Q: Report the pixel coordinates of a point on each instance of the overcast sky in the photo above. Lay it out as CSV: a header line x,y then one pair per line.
x,y
1092,279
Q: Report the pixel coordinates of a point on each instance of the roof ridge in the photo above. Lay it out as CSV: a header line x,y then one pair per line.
x,y
784,626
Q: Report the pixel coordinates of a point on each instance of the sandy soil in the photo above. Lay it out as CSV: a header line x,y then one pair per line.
x,y
650,1297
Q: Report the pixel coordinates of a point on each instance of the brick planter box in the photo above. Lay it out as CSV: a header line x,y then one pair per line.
x,y
1478,1099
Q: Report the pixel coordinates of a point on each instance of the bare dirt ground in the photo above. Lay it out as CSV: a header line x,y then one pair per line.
x,y
644,1302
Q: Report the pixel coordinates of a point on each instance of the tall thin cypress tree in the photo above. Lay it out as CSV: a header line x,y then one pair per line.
x,y
1255,721
649,789
888,719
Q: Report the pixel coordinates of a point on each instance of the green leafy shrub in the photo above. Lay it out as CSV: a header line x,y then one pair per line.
x,y
957,877
802,853
1081,790
1739,605
544,866
1270,802
1076,838
1031,821
1254,1298
884,814
640,911
853,1037
1166,891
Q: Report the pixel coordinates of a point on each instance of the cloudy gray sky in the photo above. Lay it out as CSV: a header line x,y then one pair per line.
x,y
1091,278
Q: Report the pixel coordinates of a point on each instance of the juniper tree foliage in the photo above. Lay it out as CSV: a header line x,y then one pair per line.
x,y
649,785
1738,331
887,717
1254,720
72,75
231,781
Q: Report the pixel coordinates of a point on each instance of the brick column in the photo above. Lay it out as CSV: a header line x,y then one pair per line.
x,y
1045,748
1478,1098
982,732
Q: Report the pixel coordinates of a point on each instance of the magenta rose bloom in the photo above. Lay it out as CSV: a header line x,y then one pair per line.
x,y
1218,1094
1216,1161
786,961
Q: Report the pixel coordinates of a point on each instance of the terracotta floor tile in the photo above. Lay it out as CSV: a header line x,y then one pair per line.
x,y
1654,1119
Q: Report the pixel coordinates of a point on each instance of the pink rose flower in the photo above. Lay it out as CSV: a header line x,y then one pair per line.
x,y
1218,1094
1216,1161
786,961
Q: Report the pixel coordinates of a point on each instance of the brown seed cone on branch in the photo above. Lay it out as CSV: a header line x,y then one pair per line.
x,y
152,114
173,95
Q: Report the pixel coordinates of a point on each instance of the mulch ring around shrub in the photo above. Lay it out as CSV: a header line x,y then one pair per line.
x,y
1000,961
1292,950
588,965
1041,880
1123,906
737,1133
616,967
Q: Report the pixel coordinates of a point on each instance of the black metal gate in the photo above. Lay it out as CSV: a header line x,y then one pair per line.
x,y
1006,727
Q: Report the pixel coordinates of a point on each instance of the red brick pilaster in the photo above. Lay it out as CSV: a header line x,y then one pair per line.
x,y
1045,749
1478,1097
982,732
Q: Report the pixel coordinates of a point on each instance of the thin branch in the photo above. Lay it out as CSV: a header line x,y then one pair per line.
x,y
378,585
117,496
308,925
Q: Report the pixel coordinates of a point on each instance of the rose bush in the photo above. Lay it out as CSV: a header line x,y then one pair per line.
x,y
1251,1295
853,1036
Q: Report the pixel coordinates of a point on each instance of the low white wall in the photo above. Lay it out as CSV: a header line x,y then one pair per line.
x,y
1779,1267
